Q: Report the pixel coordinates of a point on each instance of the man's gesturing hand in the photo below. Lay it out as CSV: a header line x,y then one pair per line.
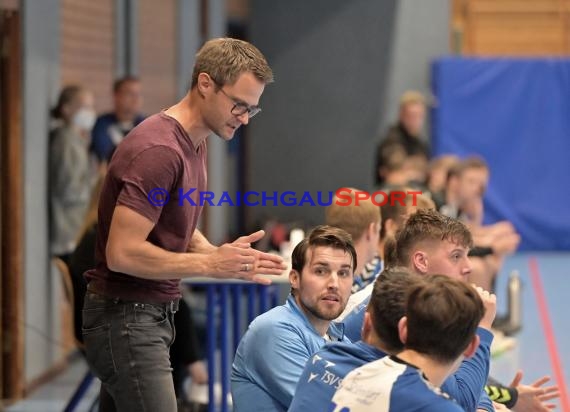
x,y
238,260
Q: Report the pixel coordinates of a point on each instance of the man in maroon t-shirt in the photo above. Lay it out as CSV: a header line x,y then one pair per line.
x,y
147,238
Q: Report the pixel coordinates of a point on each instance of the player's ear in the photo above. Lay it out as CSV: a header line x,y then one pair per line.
x,y
204,83
472,347
420,261
294,279
366,326
403,329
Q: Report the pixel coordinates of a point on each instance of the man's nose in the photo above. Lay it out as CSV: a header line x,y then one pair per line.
x,y
467,268
333,281
244,118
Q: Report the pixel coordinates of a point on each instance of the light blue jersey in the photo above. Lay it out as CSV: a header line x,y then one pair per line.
x,y
271,356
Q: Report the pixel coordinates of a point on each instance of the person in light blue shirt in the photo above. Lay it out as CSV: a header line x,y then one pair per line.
x,y
272,354
438,331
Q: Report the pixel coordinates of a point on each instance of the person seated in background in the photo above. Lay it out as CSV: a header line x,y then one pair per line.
x,y
110,128
399,169
362,221
70,173
438,171
466,185
429,243
404,147
272,354
438,332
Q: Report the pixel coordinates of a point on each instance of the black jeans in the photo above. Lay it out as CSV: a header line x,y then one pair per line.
x,y
127,348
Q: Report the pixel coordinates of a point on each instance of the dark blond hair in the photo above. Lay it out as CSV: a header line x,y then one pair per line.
x,y
412,97
428,225
353,218
471,162
224,59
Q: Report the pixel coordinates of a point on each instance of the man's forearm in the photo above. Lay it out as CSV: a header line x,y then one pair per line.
x,y
152,262
199,244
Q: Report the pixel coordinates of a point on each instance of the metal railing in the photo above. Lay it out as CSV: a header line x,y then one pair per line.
x,y
230,308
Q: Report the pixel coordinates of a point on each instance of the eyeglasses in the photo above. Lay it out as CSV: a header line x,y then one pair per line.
x,y
240,108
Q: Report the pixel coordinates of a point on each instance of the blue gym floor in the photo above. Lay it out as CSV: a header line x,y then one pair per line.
x,y
531,353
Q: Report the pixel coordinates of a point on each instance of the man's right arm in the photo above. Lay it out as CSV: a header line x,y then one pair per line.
x,y
129,251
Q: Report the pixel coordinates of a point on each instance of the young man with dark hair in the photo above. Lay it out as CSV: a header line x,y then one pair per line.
x,y
272,353
438,331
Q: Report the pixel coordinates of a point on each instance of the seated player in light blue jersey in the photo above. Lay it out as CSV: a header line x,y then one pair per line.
x,y
326,369
438,331
273,352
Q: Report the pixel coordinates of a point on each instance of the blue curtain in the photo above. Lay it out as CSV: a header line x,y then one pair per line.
x,y
515,113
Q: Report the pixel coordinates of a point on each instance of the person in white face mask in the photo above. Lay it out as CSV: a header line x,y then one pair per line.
x,y
70,173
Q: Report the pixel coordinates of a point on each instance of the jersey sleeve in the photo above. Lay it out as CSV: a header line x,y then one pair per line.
x,y
311,393
278,359
467,384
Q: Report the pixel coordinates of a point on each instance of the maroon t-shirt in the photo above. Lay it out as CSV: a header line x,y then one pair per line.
x,y
157,156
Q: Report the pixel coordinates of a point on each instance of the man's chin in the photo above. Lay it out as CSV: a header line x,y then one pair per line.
x,y
330,314
226,135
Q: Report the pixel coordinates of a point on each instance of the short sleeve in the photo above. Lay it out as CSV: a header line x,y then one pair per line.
x,y
152,176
